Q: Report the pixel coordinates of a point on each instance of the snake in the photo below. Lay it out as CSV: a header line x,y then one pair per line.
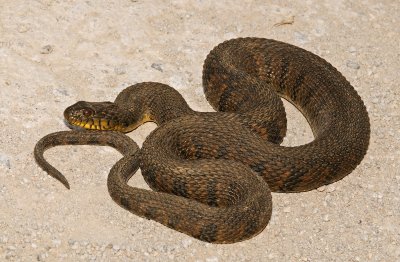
x,y
211,174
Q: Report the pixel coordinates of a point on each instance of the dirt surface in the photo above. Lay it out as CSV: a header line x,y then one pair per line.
x,y
53,53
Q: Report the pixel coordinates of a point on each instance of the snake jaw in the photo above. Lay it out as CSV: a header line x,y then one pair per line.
x,y
96,116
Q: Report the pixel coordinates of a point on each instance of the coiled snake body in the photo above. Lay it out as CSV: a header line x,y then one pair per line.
x,y
213,173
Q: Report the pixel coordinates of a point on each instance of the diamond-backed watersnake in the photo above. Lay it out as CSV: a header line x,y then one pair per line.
x,y
212,172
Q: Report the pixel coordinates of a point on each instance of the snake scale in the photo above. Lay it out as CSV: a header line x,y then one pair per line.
x,y
212,173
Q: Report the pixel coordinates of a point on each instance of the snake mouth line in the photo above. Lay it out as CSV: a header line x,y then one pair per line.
x,y
93,124
102,124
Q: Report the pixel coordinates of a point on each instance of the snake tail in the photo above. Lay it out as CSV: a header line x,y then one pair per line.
x,y
115,139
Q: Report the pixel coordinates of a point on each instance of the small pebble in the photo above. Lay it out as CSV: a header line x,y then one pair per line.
x,y
353,65
75,246
157,67
326,218
212,259
36,58
47,49
186,243
22,28
375,100
120,70
9,256
5,44
163,249
300,37
352,49
5,161
321,189
330,189
41,256
62,91
286,209
177,82
4,239
11,248
56,242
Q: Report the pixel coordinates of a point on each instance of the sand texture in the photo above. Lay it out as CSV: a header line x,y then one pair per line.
x,y
54,53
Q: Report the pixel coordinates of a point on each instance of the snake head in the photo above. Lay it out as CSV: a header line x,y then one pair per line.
x,y
98,116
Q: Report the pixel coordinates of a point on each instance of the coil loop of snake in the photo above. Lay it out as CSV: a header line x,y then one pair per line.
x,y
212,173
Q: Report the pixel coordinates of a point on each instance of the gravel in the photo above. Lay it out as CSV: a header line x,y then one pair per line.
x,y
54,53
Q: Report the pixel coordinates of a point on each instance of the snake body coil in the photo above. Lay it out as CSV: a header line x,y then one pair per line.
x,y
213,172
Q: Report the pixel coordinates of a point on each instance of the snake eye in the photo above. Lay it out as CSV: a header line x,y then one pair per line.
x,y
87,112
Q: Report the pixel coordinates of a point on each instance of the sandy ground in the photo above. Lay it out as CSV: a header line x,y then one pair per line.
x,y
53,53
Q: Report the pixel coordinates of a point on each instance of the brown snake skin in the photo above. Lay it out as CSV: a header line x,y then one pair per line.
x,y
213,172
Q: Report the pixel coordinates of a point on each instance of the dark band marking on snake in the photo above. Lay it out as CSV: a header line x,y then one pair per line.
x,y
213,173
